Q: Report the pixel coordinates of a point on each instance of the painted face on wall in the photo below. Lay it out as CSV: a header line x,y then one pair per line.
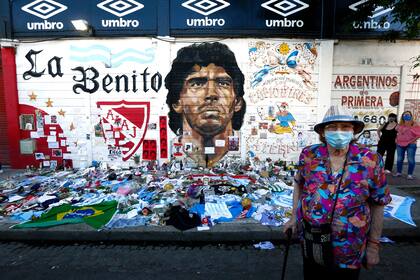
x,y
208,100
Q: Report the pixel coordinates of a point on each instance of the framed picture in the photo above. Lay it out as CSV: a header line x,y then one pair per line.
x,y
27,122
188,147
233,143
56,153
27,147
53,164
39,156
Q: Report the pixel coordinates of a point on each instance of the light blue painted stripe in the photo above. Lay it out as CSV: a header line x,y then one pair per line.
x,y
90,58
148,52
130,59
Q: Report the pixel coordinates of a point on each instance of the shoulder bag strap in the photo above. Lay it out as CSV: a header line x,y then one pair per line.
x,y
338,188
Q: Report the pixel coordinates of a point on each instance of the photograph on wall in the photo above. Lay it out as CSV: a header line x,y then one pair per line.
x,y
177,150
188,147
39,156
56,153
98,130
233,144
53,164
27,122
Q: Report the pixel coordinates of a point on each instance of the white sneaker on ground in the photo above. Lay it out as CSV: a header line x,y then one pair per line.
x,y
387,171
397,174
410,177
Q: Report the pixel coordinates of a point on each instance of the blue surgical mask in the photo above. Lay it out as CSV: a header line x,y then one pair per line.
x,y
338,139
407,118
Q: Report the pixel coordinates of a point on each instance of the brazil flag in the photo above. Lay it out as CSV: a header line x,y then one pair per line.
x,y
95,215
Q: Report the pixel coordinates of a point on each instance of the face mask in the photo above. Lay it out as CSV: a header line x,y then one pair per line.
x,y
407,117
338,139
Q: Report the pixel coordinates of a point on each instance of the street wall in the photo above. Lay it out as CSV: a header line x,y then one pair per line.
x,y
106,99
102,99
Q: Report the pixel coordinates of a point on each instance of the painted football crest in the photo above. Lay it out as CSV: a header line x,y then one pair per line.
x,y
124,124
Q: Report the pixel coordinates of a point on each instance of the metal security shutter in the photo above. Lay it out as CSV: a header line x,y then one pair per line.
x,y
4,144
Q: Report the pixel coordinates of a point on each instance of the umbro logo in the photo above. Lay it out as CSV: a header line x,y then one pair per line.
x,y
284,7
44,8
205,7
120,8
376,13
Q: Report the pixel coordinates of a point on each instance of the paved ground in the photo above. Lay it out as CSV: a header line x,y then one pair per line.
x,y
219,261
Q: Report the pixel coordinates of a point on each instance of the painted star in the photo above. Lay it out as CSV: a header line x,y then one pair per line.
x,y
32,96
49,102
61,112
72,127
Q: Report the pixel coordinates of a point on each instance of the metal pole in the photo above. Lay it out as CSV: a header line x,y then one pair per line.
x,y
289,237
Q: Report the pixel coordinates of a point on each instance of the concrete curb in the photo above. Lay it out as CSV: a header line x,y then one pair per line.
x,y
82,232
219,233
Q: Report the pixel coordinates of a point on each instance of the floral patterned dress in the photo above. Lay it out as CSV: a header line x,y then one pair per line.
x,y
363,183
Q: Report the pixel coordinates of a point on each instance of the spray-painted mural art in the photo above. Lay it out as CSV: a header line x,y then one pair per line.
x,y
118,100
283,82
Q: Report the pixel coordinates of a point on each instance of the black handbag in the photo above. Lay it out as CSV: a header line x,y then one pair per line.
x,y
317,240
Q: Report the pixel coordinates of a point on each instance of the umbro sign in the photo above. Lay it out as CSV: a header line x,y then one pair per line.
x,y
205,8
284,8
120,8
44,9
374,21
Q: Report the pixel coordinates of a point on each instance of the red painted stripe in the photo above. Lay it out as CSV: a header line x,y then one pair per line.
x,y
11,98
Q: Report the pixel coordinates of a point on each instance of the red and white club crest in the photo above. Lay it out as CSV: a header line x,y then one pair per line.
x,y
125,122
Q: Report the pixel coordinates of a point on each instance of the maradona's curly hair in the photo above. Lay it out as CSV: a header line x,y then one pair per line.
x,y
202,54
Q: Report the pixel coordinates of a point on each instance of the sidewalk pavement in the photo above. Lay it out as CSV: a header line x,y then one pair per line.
x,y
237,231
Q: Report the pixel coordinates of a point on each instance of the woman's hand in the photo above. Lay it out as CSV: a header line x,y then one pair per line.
x,y
291,224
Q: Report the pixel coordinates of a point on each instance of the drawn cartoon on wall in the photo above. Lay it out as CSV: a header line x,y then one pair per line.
x,y
283,92
205,100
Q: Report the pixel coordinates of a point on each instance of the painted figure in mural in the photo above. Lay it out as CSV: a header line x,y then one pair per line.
x,y
408,132
338,201
387,135
285,119
205,99
271,64
301,141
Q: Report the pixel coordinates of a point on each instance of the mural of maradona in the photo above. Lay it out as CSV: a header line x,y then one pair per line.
x,y
205,99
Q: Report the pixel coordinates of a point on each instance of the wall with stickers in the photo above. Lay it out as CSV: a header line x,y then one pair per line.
x,y
374,79
107,100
